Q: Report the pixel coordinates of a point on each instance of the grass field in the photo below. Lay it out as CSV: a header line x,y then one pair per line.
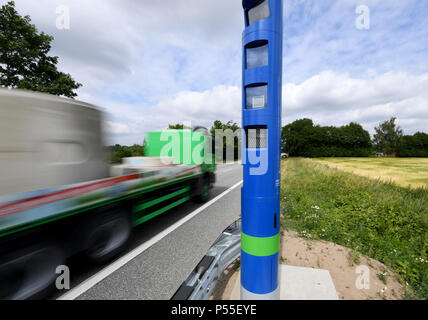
x,y
382,220
405,172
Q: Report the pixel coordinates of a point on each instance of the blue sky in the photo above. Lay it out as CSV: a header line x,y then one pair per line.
x,y
321,35
151,63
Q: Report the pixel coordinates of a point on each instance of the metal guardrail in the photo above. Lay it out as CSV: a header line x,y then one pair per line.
x,y
203,279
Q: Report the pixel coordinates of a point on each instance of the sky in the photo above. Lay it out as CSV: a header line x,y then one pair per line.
x,y
151,63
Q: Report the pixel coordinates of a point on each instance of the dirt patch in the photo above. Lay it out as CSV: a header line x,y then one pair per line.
x,y
224,287
341,262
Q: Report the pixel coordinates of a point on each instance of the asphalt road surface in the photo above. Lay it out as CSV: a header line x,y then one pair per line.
x,y
163,251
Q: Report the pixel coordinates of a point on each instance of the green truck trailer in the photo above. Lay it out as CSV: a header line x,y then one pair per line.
x,y
59,199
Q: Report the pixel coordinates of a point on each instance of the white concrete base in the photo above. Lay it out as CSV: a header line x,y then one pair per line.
x,y
298,283
247,295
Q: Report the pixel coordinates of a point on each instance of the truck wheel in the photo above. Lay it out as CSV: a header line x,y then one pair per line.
x,y
107,235
203,188
30,273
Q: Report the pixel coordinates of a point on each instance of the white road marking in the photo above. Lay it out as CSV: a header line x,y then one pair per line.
x,y
225,168
234,162
92,281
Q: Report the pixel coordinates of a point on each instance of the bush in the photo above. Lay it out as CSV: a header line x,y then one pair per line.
x,y
301,138
116,153
413,146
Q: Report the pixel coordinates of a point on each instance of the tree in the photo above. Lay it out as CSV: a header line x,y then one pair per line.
x,y
294,136
116,153
229,131
24,59
177,127
218,125
387,137
414,146
301,138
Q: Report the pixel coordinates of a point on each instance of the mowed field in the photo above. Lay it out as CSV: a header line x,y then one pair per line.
x,y
406,172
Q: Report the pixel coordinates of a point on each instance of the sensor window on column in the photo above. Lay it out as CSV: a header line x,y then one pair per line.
x,y
257,137
259,12
256,96
257,54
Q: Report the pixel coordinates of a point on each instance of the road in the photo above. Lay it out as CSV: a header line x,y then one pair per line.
x,y
163,251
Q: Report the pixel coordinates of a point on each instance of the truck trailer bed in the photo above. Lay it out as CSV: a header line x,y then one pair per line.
x,y
27,210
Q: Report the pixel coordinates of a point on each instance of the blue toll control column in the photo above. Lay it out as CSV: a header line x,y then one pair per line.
x,y
262,87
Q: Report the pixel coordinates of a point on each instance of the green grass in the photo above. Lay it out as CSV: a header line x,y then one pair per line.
x,y
405,172
381,220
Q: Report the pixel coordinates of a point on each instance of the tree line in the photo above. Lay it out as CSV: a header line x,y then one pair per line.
x,y
304,139
115,153
413,146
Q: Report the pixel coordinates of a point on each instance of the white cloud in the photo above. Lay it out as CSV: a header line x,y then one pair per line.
x,y
330,90
334,98
328,98
127,125
151,63
144,50
117,128
218,103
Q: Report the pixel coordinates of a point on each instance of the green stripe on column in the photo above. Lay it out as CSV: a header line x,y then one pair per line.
x,y
260,247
